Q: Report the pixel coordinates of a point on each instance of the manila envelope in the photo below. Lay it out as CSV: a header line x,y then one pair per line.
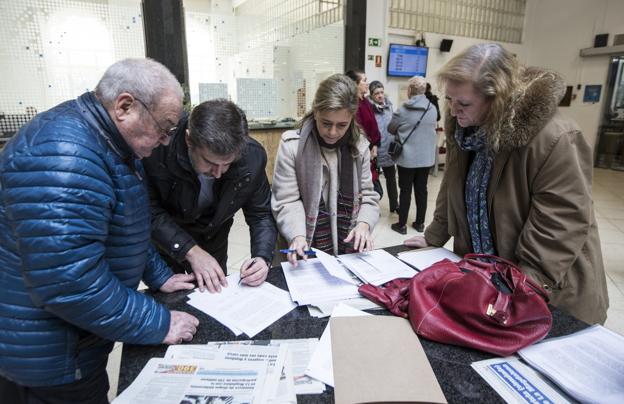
x,y
379,359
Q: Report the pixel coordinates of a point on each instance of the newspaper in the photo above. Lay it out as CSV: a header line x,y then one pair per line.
x,y
273,356
588,365
185,381
300,352
516,382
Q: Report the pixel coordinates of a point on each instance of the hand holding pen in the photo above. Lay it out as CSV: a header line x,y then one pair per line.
x,y
298,248
253,271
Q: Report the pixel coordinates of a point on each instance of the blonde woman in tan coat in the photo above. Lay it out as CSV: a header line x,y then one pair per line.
x,y
322,190
518,178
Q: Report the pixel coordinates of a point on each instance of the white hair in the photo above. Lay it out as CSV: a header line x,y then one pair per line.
x,y
417,85
145,79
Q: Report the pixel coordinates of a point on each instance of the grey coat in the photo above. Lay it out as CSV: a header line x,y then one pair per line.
x,y
383,115
419,150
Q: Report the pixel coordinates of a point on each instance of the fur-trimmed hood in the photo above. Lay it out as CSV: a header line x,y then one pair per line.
x,y
529,108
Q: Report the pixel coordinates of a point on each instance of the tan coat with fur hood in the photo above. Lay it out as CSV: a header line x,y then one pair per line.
x,y
539,198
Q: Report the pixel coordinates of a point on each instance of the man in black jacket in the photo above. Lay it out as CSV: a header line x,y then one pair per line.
x,y
210,170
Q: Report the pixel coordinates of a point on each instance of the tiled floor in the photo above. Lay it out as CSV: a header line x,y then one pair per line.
x,y
608,192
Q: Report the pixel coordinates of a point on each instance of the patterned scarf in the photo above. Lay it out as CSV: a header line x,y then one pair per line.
x,y
473,139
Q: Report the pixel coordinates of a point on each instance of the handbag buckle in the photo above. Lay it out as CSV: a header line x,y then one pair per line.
x,y
491,311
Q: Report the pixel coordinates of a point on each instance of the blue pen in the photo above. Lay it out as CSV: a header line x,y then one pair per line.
x,y
306,252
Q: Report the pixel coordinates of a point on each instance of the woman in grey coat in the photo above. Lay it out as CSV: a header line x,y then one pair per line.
x,y
418,154
383,114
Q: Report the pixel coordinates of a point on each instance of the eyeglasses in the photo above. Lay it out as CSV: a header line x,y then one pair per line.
x,y
170,132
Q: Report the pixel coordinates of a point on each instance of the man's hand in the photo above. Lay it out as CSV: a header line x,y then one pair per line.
x,y
206,269
178,282
254,271
362,239
181,328
416,242
299,244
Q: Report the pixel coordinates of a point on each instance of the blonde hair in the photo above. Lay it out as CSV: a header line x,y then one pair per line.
x,y
333,94
492,70
416,86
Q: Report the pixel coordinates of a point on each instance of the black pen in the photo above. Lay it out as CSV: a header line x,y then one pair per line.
x,y
241,278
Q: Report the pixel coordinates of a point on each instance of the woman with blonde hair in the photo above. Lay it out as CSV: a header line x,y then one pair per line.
x,y
517,181
323,194
414,124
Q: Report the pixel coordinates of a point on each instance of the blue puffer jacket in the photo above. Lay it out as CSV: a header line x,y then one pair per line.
x,y
74,244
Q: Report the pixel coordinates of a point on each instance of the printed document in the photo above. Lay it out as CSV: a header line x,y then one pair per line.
x,y
273,356
516,382
300,351
588,365
245,308
187,381
321,366
423,259
376,267
311,283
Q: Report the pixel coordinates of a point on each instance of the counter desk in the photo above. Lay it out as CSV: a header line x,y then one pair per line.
x,y
451,364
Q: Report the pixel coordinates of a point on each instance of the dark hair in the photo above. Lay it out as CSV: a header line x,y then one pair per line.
x,y
218,125
374,85
355,75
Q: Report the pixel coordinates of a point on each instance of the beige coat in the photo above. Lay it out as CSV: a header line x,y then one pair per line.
x,y
287,202
539,199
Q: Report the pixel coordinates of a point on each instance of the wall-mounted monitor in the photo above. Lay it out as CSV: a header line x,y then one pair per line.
x,y
407,60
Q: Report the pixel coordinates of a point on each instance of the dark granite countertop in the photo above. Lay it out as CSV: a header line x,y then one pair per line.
x,y
451,364
271,125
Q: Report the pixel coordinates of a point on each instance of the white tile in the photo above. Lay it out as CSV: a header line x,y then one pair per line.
x,y
615,320
607,224
615,203
611,236
611,213
619,223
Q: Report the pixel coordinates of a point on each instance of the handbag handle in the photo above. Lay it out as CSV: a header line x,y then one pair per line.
x,y
534,285
415,126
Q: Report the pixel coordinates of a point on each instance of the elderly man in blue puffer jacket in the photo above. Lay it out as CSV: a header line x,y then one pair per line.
x,y
75,238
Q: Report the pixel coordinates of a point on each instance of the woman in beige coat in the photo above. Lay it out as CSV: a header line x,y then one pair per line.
x,y
518,179
323,194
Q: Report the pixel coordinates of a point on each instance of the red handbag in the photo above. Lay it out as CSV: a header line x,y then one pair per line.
x,y
483,302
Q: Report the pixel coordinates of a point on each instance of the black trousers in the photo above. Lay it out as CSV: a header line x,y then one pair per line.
x,y
391,186
416,178
90,390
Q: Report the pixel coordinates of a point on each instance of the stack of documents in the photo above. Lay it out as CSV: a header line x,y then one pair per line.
x,y
324,282
242,308
423,259
255,372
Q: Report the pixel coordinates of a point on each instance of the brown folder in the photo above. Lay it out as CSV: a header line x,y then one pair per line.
x,y
379,359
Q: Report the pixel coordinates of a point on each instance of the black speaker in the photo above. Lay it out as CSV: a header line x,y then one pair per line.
x,y
445,45
601,40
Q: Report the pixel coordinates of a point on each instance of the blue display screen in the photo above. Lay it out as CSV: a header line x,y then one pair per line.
x,y
407,60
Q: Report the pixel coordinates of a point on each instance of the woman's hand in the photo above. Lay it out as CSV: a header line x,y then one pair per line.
x,y
373,152
300,245
416,242
361,236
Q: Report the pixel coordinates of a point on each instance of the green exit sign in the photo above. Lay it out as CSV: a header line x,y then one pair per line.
x,y
374,42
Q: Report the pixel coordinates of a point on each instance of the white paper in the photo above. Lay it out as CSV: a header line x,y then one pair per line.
x,y
588,365
423,259
335,268
376,267
311,283
249,309
273,356
301,351
325,309
321,366
516,382
186,381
